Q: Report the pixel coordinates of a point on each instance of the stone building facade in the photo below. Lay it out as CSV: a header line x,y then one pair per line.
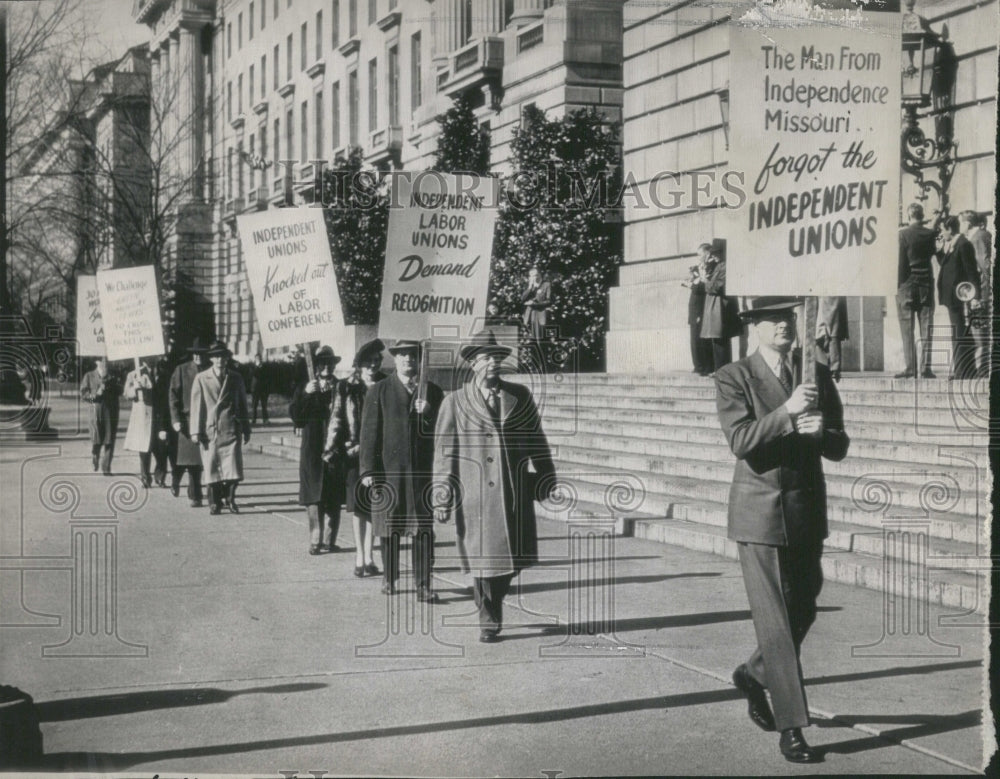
x,y
259,82
677,71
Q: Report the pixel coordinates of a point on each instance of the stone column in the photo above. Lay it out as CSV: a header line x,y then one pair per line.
x,y
173,106
526,12
453,25
190,115
438,53
487,17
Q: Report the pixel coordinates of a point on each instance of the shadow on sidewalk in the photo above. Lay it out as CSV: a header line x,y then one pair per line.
x,y
607,581
149,700
919,725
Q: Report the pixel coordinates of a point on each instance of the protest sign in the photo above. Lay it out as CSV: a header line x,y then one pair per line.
x,y
291,275
89,324
811,100
438,253
130,308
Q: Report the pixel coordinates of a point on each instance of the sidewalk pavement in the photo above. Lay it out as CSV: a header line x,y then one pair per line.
x,y
240,653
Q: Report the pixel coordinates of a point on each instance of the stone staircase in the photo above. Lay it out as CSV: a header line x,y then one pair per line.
x,y
909,507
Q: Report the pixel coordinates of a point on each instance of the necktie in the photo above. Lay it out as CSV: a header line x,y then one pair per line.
x,y
493,404
785,377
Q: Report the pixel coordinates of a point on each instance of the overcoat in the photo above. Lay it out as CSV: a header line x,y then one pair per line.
x,y
397,451
219,412
181,383
343,438
139,389
722,313
103,417
311,412
958,264
778,494
536,308
831,318
496,473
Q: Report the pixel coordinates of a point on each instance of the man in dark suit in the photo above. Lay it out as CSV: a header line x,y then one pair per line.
x,y
958,265
188,454
777,510
396,460
537,299
488,432
915,294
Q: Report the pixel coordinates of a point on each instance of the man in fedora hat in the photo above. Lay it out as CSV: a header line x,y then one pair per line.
x,y
221,426
319,491
396,460
188,456
779,430
488,433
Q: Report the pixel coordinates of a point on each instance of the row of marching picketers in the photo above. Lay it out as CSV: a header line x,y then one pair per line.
x,y
400,455
193,419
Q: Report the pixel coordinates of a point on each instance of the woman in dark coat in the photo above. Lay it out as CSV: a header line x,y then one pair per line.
x,y
319,489
102,389
343,439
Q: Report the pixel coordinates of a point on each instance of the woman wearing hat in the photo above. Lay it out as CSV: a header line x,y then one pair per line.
x,y
140,434
320,491
343,439
221,425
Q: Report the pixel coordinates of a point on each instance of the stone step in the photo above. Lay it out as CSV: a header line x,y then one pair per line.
x,y
648,438
592,489
938,421
711,483
956,588
699,461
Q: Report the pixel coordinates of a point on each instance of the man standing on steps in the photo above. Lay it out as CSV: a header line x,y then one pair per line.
x,y
915,295
777,510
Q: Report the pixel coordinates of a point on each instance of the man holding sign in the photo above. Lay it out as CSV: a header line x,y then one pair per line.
x,y
221,425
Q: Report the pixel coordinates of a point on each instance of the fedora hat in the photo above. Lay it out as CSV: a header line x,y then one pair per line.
x,y
216,348
483,341
196,345
762,306
718,248
369,350
325,354
405,346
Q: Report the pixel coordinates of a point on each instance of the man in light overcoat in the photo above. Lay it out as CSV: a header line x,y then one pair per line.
x,y
488,436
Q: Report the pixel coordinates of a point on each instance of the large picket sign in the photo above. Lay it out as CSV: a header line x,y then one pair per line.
x,y
89,323
291,275
438,253
130,308
815,131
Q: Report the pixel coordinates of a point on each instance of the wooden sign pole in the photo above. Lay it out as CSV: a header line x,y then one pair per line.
x,y
309,362
811,305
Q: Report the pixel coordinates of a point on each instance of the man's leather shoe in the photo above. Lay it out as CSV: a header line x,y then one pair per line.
x,y
904,375
795,749
175,490
425,595
489,636
196,503
758,709
214,509
928,375
233,508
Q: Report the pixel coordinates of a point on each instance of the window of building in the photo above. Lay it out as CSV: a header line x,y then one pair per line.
x,y
319,35
229,172
372,11
288,58
393,4
290,134
239,95
277,142
239,31
352,18
240,167
251,86
229,101
335,118
467,21
263,76
263,14
229,39
335,22
277,75
372,95
352,107
303,46
416,73
318,110
276,8
394,85
250,16
253,171
263,152
304,127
